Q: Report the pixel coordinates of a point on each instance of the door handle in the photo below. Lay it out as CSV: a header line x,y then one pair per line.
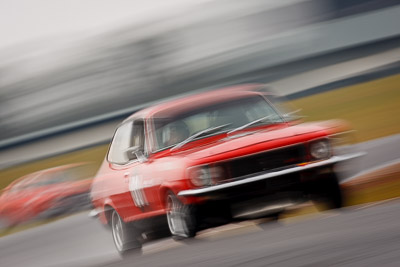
x,y
126,176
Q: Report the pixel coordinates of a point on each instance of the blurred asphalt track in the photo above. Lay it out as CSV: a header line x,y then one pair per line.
x,y
355,236
365,235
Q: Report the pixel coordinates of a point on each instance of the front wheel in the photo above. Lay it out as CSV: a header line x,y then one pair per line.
x,y
181,218
126,237
330,193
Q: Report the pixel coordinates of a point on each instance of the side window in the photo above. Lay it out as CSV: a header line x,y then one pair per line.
x,y
138,135
120,143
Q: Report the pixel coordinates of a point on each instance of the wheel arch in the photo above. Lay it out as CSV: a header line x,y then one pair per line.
x,y
108,208
164,190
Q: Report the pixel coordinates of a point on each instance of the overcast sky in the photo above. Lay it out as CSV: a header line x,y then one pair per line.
x,y
31,20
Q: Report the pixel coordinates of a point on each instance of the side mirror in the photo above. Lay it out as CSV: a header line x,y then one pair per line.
x,y
135,153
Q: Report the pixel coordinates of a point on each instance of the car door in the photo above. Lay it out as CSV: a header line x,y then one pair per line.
x,y
144,185
116,181
126,157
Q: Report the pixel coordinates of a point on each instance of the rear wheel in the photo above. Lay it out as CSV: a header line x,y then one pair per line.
x,y
181,218
126,237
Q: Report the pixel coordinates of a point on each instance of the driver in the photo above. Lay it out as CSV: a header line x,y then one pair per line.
x,y
175,133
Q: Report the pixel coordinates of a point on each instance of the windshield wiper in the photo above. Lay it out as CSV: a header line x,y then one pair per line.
x,y
250,124
289,115
203,132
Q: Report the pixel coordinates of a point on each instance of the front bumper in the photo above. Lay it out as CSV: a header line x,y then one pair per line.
x,y
268,175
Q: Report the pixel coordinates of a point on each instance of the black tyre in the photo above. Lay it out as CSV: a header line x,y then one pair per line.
x,y
330,194
126,237
181,218
275,216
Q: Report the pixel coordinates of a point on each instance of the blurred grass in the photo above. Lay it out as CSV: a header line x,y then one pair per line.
x,y
372,108
378,192
374,186
379,185
94,155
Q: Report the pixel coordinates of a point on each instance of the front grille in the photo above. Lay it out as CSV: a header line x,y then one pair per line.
x,y
265,161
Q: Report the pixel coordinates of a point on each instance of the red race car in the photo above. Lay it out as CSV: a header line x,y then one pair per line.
x,y
45,194
208,159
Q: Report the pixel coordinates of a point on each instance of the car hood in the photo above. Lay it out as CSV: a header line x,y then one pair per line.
x,y
253,141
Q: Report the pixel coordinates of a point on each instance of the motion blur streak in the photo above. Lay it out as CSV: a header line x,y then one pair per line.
x,y
215,43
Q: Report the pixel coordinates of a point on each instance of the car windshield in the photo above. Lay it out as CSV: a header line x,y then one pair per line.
x,y
230,114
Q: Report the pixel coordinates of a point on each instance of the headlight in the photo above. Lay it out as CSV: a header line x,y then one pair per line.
x,y
205,175
320,149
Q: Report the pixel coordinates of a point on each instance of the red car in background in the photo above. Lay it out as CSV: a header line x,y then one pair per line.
x,y
209,159
45,194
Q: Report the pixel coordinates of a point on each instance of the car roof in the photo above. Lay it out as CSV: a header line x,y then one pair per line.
x,y
28,177
192,101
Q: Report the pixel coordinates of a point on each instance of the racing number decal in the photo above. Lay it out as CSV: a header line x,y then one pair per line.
x,y
136,188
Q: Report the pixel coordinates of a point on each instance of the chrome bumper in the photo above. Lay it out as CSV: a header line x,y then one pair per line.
x,y
330,161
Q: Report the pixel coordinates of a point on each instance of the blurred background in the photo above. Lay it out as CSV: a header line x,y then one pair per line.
x,y
70,71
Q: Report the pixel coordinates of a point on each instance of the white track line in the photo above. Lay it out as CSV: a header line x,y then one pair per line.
x,y
376,168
